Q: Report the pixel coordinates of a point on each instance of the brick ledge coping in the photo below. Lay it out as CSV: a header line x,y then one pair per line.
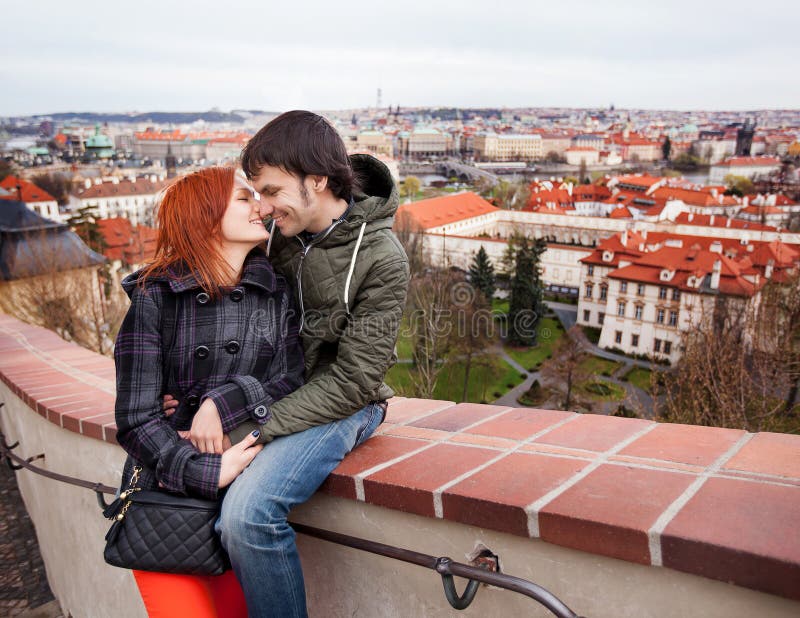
x,y
714,502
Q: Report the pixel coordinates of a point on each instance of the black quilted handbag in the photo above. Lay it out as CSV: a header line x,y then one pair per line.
x,y
157,531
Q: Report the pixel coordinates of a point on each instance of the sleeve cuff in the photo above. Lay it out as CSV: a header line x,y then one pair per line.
x,y
184,470
240,400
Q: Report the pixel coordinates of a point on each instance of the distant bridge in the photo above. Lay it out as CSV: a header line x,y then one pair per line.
x,y
449,168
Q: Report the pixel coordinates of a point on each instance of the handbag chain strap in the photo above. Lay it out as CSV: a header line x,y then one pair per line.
x,y
123,497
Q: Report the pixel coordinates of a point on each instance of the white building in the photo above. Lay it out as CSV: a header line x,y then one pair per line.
x,y
508,147
35,198
131,198
749,167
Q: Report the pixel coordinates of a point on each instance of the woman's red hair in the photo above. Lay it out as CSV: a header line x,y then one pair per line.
x,y
189,219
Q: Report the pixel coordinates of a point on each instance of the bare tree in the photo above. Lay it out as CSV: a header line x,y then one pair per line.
x,y
411,236
565,365
472,327
430,321
54,288
725,377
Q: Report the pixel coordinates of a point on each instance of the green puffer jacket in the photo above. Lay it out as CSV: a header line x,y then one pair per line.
x,y
351,285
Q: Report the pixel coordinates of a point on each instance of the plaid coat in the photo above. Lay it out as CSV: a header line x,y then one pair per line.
x,y
242,350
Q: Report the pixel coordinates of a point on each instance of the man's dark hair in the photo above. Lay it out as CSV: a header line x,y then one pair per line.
x,y
305,144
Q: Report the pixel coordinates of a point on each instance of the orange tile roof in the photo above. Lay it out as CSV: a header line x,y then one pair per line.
x,y
721,221
142,186
620,213
30,192
438,211
126,242
695,197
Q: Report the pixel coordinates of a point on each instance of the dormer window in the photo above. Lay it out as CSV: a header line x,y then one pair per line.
x,y
608,256
666,275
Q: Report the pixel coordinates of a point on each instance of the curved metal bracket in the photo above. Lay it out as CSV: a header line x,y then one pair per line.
x,y
100,500
457,601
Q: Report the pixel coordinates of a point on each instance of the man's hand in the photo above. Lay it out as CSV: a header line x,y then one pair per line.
x,y
237,458
169,405
206,432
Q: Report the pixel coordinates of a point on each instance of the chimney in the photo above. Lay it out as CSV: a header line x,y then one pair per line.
x,y
728,222
715,247
768,269
569,188
711,220
624,238
715,273
713,193
691,217
746,201
644,234
87,183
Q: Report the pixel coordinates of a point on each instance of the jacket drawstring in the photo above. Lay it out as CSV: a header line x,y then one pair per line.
x,y
271,236
352,267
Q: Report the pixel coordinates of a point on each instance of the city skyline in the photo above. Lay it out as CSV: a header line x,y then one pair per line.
x,y
682,56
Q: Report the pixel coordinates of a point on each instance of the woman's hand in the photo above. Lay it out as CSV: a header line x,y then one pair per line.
x,y
206,431
237,458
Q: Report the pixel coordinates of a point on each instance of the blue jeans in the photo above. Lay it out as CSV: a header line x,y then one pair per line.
x,y
253,525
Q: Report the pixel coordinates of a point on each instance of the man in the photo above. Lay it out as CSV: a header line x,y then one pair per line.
x,y
332,237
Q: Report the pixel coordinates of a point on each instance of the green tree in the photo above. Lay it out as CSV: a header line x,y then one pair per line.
x,y
84,224
666,148
526,305
738,185
410,187
481,274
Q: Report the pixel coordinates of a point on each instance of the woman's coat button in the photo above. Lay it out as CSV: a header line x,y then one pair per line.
x,y
232,347
201,352
237,294
202,298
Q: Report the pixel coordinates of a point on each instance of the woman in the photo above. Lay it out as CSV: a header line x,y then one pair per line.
x,y
233,349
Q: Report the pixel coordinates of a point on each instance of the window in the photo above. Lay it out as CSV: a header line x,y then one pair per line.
x,y
660,316
662,293
676,294
637,312
621,309
618,336
590,269
667,347
603,292
589,289
657,345
623,287
587,315
640,289
673,318
600,318
634,341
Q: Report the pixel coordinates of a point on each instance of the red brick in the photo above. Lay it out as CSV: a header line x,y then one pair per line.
x,y
93,427
520,423
769,453
496,496
593,432
458,417
478,440
688,444
407,485
741,532
611,511
375,451
406,409
420,433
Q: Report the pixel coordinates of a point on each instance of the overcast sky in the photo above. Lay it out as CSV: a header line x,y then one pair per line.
x,y
116,56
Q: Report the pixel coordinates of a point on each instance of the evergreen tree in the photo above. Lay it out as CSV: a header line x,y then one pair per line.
x,y
84,224
481,274
527,304
666,148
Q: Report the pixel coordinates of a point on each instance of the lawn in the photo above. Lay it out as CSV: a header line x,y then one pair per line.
x,y
405,341
549,333
596,366
500,305
640,378
489,378
600,390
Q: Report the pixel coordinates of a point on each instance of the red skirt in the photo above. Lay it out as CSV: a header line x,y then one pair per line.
x,y
167,595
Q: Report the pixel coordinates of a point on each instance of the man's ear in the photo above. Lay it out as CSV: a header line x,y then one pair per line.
x,y
318,183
